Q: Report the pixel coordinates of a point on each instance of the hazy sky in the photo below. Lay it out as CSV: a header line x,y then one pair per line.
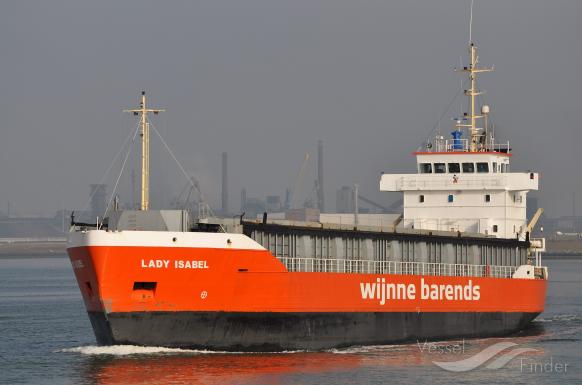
x,y
265,79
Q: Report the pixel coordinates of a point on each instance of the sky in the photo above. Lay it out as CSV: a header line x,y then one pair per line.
x,y
264,80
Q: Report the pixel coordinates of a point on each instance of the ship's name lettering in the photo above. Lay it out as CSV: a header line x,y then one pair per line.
x,y
176,264
383,291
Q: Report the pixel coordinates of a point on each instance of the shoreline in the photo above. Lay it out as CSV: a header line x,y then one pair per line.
x,y
33,249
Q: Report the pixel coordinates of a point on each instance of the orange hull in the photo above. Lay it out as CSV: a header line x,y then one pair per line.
x,y
147,289
255,281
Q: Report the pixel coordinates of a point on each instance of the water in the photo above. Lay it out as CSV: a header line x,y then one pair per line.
x,y
46,338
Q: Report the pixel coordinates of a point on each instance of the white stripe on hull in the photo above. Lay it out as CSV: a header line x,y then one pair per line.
x,y
162,239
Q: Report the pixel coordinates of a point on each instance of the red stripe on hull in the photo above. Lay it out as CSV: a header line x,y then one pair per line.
x,y
233,280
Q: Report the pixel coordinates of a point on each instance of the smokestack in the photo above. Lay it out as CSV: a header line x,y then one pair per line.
x,y
243,200
224,183
320,202
356,196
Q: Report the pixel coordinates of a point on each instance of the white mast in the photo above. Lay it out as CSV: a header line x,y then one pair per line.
x,y
145,149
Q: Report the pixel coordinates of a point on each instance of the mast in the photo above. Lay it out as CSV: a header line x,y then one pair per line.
x,y
473,69
142,111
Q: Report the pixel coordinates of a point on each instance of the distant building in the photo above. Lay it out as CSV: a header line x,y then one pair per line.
x,y
252,206
304,214
39,228
273,203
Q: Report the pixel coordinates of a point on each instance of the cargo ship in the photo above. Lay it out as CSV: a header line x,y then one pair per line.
x,y
458,262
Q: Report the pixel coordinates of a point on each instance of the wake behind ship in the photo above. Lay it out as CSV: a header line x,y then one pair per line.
x,y
458,262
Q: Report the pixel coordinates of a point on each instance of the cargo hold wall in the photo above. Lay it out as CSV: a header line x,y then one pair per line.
x,y
317,243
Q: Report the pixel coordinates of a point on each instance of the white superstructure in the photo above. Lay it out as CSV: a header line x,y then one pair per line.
x,y
466,184
464,191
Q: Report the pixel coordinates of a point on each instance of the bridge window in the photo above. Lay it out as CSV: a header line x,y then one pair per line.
x,y
487,198
494,228
421,198
454,168
482,167
425,168
439,168
468,167
494,166
451,198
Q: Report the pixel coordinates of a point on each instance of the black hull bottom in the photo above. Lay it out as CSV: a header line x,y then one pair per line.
x,y
295,331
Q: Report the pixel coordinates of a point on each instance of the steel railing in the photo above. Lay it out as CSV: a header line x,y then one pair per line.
x,y
395,267
463,145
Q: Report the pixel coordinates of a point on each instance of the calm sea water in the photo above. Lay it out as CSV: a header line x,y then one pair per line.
x,y
46,338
